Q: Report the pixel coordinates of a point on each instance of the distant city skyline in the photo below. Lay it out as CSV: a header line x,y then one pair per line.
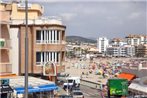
x,y
97,18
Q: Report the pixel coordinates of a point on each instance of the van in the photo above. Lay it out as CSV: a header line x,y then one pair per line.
x,y
71,82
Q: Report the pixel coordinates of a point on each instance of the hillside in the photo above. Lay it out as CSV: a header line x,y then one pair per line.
x,y
79,39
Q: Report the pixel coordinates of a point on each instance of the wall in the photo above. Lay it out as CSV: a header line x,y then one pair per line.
x,y
14,53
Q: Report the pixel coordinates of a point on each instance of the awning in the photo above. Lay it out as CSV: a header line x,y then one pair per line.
x,y
42,88
136,87
127,76
5,89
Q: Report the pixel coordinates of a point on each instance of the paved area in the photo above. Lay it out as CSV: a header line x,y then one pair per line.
x,y
90,92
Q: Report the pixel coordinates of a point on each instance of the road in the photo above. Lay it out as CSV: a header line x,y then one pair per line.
x,y
90,92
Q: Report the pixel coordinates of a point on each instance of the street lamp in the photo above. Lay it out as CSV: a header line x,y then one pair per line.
x,y
26,49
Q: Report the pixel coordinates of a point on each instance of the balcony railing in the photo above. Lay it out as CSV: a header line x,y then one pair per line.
x,y
31,7
50,42
5,67
5,16
5,44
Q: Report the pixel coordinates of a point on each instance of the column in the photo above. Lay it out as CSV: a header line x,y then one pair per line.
x,y
53,32
56,36
49,36
49,56
44,36
55,57
52,56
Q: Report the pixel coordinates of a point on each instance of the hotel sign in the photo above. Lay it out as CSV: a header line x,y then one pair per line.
x,y
49,69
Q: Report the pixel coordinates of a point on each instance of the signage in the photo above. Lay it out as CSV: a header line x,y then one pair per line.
x,y
118,87
49,69
4,82
5,89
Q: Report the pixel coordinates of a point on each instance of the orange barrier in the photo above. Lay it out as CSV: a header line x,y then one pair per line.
x,y
7,75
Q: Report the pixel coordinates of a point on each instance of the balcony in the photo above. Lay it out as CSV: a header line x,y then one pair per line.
x,y
51,47
50,42
31,7
5,16
5,44
5,67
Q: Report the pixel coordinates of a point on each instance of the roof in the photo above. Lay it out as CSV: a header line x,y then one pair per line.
x,y
127,76
34,84
139,84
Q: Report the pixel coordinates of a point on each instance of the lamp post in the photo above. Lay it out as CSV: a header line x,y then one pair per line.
x,y
26,49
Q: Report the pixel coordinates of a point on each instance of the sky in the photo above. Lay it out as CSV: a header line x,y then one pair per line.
x,y
98,18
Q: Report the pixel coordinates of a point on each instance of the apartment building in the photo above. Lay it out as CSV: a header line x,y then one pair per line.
x,y
130,50
5,42
118,42
141,50
102,43
121,51
136,39
46,39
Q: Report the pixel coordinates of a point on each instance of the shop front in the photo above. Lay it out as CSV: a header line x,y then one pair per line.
x,y
5,89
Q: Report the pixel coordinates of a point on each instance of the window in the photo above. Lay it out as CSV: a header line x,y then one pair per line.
x,y
38,57
47,36
43,57
38,35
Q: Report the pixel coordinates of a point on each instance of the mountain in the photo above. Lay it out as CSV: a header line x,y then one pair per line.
x,y
79,39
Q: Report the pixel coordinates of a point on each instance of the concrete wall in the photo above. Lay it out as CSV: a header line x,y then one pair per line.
x,y
14,53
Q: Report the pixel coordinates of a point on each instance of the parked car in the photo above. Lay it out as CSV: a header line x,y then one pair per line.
x,y
62,76
65,96
77,94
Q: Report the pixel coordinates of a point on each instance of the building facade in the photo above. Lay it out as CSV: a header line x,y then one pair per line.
x,y
5,42
136,39
46,38
102,43
141,50
121,51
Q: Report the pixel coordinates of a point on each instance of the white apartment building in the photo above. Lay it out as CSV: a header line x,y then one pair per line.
x,y
121,51
102,43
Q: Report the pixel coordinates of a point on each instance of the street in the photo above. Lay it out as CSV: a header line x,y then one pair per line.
x,y
90,92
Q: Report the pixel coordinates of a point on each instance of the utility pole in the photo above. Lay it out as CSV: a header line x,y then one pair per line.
x,y
26,49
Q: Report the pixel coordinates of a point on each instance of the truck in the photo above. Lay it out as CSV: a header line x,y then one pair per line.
x,y
71,82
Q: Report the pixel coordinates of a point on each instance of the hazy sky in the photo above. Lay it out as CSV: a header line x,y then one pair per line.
x,y
95,18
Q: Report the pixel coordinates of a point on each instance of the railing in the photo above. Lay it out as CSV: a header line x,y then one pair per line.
x,y
5,44
50,42
31,7
5,16
41,20
5,67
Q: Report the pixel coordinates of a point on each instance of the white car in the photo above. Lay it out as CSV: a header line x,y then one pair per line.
x,y
77,94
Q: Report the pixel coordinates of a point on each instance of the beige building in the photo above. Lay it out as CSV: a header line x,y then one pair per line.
x,y
136,39
46,39
5,42
141,50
